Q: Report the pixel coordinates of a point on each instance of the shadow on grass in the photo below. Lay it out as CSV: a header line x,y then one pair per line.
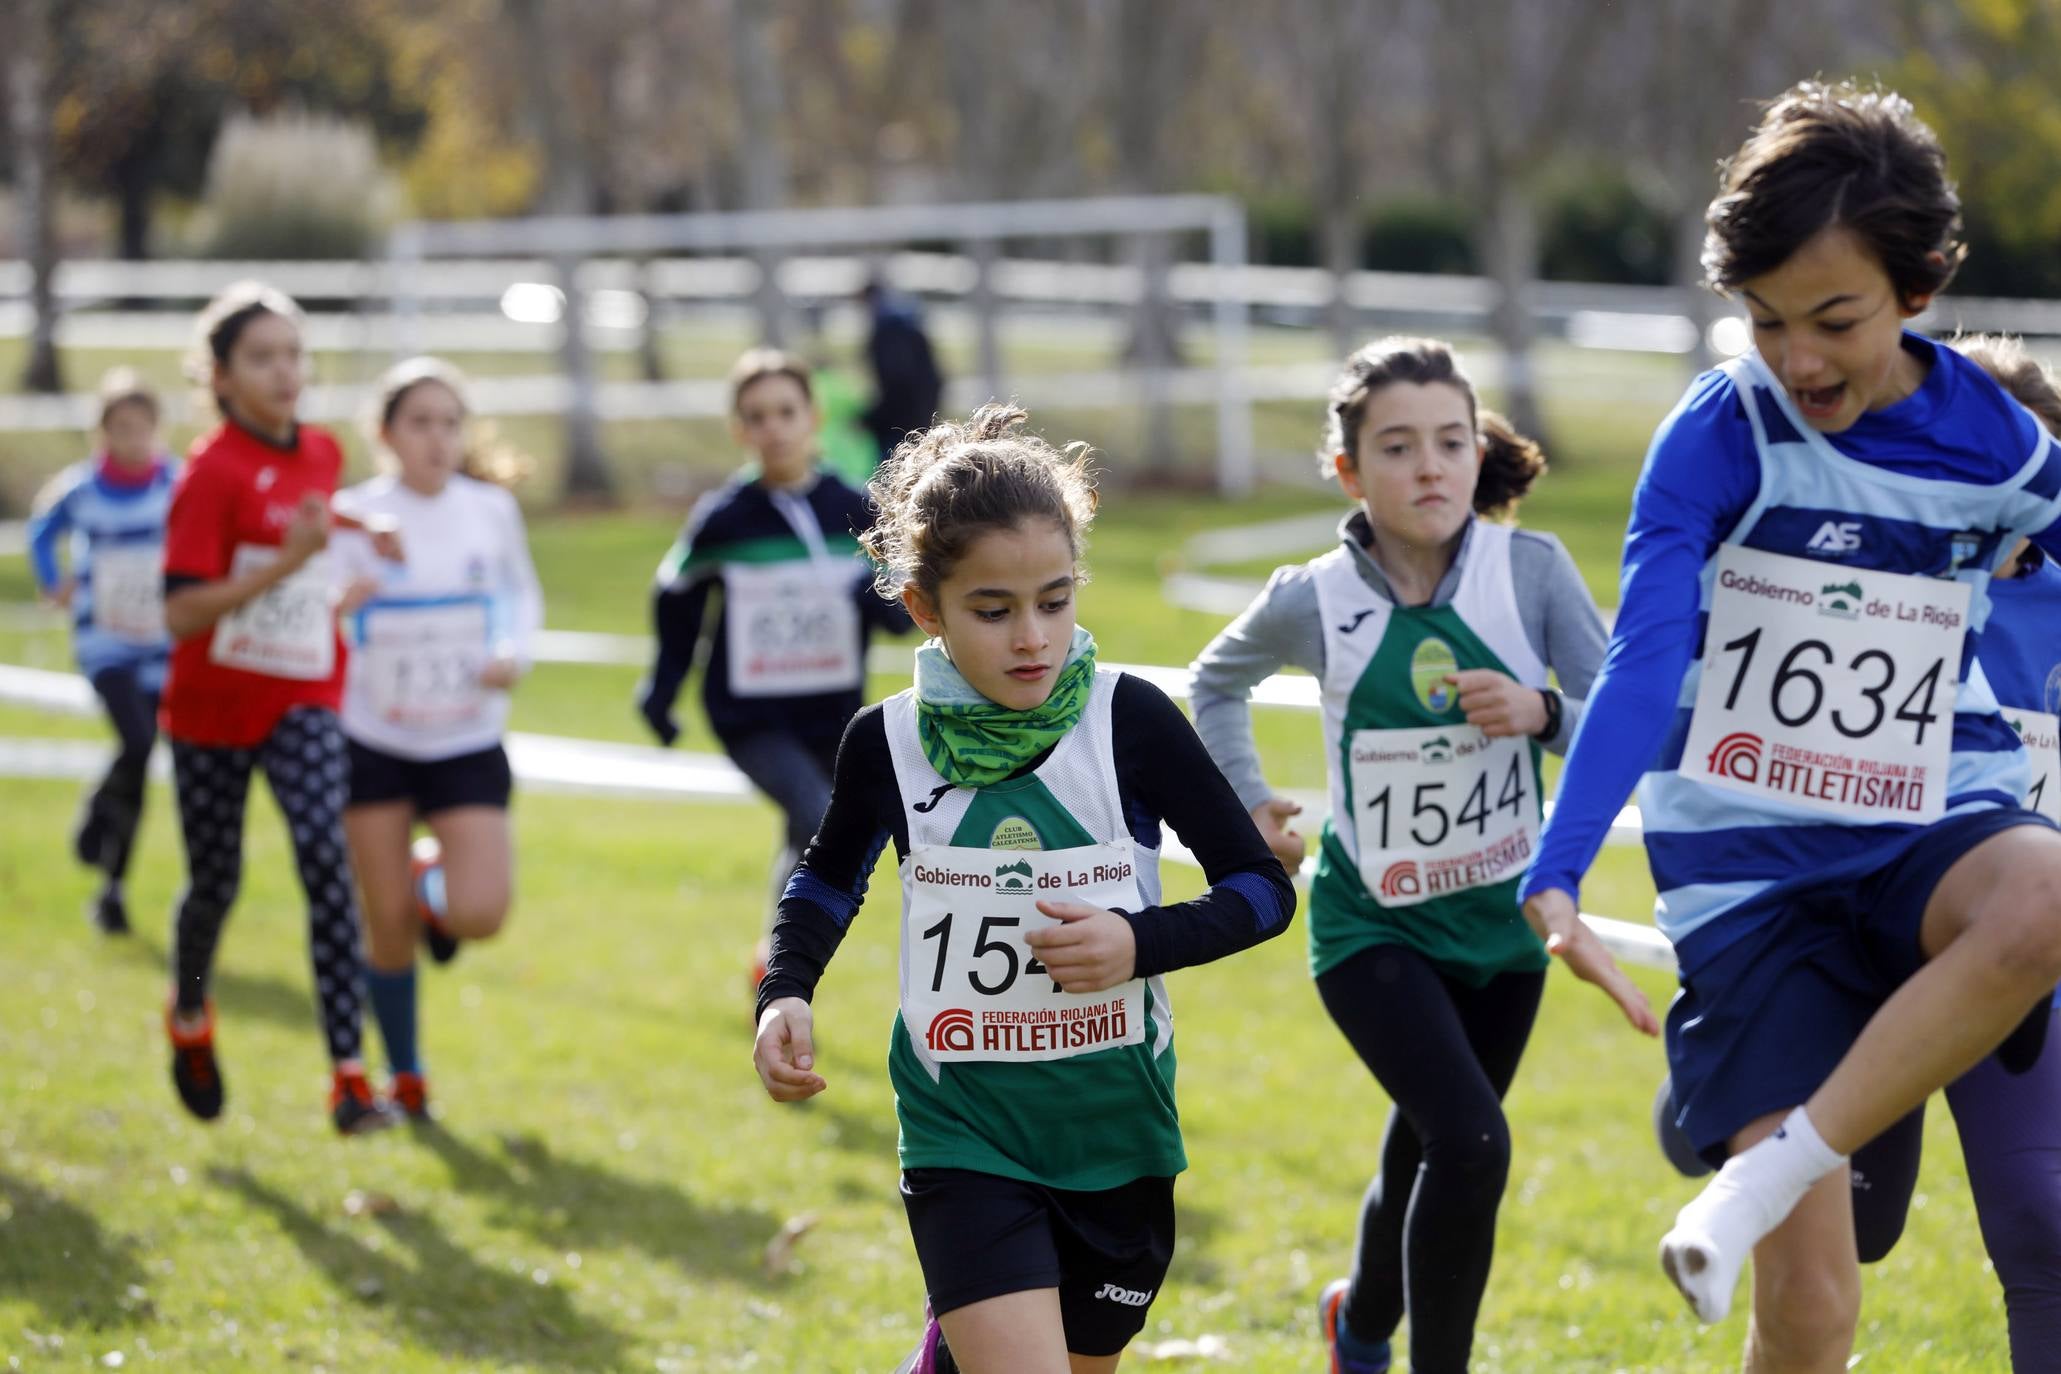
x,y
55,1255
573,1203
240,995
445,1298
870,1132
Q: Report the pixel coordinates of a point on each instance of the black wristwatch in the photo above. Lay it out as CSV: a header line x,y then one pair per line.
x,y
1553,713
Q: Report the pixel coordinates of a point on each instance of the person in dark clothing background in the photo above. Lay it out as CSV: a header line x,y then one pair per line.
x,y
908,385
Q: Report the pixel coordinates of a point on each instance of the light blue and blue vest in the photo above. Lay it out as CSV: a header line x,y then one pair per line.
x,y
96,514
1715,850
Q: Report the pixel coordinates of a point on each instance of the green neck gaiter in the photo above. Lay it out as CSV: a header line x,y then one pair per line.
x,y
973,742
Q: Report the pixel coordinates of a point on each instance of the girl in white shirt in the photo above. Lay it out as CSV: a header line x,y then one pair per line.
x,y
436,645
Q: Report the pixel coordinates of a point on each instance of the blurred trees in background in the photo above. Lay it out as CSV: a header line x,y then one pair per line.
x,y
1355,127
1518,138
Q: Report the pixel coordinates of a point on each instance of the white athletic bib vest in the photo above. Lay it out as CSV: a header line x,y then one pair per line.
x,y
792,627
994,1067
418,662
2041,735
1431,821
129,591
1829,687
287,631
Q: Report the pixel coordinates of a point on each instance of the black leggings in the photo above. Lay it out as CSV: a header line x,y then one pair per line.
x,y
305,763
114,809
1445,1054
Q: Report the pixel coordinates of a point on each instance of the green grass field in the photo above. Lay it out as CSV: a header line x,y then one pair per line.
x,y
609,1173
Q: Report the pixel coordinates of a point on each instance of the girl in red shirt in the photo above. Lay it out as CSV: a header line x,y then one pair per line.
x,y
256,679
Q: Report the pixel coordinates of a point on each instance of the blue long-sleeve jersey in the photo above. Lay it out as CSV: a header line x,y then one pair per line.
x,y
112,533
1940,484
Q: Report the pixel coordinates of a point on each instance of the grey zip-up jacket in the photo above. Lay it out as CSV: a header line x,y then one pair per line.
x,y
1283,628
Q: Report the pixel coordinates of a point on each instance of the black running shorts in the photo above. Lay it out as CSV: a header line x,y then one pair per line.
x,y
980,1236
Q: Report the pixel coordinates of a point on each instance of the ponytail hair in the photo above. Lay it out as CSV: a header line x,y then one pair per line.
x,y
1510,463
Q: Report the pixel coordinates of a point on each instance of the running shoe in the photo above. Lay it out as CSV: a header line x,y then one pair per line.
x,y
354,1108
110,915
194,1071
410,1093
1349,1354
1673,1142
425,872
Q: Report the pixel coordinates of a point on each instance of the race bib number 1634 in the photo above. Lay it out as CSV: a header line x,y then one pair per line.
x,y
1828,687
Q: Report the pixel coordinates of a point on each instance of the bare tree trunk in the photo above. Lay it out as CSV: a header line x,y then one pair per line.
x,y
987,316
971,28
1335,61
649,356
1340,232
1510,251
28,80
1144,97
1698,304
764,161
568,190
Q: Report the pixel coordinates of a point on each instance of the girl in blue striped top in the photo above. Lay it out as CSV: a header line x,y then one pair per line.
x,y
107,513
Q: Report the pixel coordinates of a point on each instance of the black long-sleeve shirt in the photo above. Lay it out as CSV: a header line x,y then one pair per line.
x,y
744,521
1163,776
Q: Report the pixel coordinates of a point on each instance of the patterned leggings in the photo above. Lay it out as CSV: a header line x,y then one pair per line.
x,y
305,763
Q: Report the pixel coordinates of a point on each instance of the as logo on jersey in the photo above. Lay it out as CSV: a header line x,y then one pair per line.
x,y
1836,536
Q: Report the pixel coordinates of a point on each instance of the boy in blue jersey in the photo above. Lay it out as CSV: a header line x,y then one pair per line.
x,y
1861,909
112,506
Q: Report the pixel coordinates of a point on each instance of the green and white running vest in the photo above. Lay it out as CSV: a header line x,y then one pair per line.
x,y
1432,822
994,1068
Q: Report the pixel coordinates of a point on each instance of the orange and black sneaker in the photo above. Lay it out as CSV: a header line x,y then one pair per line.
x,y
410,1093
194,1071
353,1106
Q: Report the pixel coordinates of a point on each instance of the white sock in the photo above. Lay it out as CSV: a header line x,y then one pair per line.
x,y
1751,1196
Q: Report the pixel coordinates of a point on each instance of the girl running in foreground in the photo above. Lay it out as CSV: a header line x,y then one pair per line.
x,y
1861,910
1432,633
1024,790
256,679
438,643
787,669
113,506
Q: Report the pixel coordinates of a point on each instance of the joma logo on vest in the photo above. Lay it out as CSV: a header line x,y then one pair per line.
x,y
1129,1297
